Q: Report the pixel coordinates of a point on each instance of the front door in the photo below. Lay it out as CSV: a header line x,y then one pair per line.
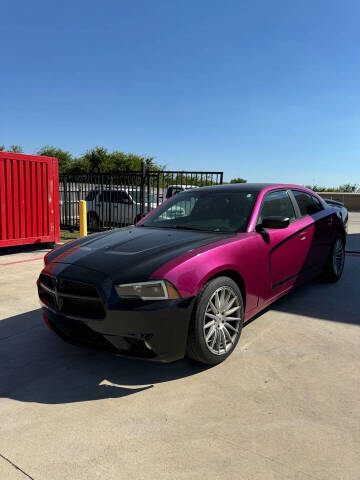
x,y
286,249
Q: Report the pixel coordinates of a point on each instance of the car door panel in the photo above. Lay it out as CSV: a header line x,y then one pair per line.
x,y
290,256
287,249
323,226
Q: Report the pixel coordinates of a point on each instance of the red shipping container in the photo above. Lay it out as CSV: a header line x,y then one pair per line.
x,y
29,199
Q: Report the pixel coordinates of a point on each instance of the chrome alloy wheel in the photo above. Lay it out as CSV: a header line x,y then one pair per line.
x,y
338,257
222,320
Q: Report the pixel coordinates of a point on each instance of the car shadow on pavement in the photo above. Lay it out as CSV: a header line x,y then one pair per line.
x,y
336,302
37,366
353,243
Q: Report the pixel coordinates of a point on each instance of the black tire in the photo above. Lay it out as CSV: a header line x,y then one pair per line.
x,y
335,263
197,346
93,221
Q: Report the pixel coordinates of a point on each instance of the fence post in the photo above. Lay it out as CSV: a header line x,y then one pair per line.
x,y
157,188
221,177
142,187
65,200
148,189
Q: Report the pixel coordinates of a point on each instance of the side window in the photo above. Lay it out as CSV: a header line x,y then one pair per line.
x,y
277,203
105,196
119,197
308,204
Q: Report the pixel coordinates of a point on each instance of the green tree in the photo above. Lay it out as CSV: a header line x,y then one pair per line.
x,y
80,166
238,180
316,188
120,161
99,160
2,148
16,148
96,159
348,187
65,158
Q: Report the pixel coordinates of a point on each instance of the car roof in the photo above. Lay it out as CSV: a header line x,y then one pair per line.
x,y
254,187
112,189
242,187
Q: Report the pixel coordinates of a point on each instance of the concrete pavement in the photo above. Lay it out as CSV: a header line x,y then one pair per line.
x,y
285,405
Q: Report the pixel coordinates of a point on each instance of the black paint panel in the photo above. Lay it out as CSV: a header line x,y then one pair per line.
x,y
134,253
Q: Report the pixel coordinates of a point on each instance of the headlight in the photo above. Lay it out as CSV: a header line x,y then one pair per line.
x,y
155,290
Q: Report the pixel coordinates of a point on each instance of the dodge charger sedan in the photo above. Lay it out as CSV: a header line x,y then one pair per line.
x,y
185,282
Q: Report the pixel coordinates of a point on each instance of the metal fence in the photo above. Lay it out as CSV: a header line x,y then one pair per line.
x,y
119,199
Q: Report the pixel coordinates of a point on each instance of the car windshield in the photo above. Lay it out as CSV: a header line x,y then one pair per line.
x,y
136,195
217,210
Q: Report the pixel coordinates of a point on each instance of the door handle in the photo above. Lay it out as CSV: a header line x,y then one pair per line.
x,y
302,236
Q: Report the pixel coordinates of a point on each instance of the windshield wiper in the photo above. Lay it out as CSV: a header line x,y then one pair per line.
x,y
186,227
182,227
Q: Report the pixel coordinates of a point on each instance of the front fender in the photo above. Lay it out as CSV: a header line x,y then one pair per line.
x,y
191,271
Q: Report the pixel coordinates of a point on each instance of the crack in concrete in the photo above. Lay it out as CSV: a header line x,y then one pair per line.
x,y
266,457
15,466
21,333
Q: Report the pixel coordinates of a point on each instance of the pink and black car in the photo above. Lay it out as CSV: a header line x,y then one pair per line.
x,y
185,279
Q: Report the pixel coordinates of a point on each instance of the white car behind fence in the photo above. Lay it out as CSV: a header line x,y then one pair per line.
x,y
119,207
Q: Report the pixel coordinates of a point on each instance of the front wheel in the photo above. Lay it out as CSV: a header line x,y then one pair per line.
x,y
218,319
335,263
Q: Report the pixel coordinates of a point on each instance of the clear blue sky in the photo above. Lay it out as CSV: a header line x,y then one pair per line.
x,y
265,90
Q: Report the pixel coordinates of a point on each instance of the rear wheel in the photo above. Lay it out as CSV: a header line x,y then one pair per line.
x,y
217,323
335,263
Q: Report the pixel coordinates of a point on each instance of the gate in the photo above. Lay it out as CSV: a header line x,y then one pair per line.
x,y
119,199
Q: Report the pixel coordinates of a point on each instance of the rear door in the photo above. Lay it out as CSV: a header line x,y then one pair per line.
x,y
322,225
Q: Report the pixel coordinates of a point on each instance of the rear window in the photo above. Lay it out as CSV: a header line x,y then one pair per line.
x,y
308,204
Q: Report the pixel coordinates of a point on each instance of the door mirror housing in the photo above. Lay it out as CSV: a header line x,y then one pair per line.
x,y
273,222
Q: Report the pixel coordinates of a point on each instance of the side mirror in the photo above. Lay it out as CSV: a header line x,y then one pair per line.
x,y
273,222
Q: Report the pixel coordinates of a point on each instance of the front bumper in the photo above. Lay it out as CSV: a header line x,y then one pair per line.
x,y
154,330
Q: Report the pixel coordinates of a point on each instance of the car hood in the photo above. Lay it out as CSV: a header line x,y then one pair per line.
x,y
133,253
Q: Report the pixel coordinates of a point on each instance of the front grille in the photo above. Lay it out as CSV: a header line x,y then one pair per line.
x,y
75,299
77,288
